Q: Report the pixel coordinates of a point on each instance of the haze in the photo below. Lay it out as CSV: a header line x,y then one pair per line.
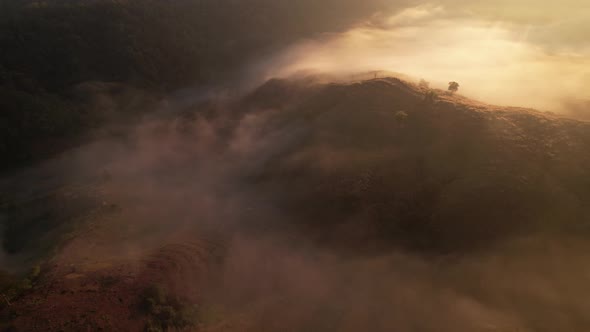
x,y
522,53
273,165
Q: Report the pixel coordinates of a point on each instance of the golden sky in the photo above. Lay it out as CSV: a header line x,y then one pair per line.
x,y
521,53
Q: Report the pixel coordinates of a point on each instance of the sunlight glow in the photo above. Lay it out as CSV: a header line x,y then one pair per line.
x,y
493,60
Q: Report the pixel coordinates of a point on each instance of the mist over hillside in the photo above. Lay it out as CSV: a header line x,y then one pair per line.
x,y
296,197
57,55
285,166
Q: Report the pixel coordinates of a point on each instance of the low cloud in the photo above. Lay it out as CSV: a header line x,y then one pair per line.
x,y
508,60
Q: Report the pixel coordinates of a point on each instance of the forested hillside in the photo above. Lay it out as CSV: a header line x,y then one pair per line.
x,y
50,47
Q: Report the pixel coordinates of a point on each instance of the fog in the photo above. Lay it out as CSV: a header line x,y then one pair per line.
x,y
183,182
517,53
188,175
187,181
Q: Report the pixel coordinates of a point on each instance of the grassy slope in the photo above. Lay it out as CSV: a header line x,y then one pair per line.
x,y
452,174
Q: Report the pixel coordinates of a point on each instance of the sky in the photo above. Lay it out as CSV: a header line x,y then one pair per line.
x,y
519,53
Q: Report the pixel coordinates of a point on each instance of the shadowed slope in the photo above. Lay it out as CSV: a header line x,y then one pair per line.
x,y
452,173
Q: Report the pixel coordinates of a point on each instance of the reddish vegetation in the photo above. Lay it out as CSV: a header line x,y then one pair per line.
x,y
104,300
104,296
96,281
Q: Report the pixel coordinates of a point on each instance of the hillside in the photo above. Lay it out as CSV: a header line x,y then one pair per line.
x,y
304,203
58,57
449,174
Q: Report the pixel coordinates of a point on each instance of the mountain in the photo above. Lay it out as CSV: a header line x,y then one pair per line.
x,y
302,203
446,173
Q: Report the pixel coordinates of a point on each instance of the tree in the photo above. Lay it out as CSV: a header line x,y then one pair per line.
x,y
453,87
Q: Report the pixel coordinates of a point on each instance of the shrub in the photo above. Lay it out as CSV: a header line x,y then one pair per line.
x,y
166,311
11,288
35,272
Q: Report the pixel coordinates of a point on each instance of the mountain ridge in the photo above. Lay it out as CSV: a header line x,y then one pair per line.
x,y
346,179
